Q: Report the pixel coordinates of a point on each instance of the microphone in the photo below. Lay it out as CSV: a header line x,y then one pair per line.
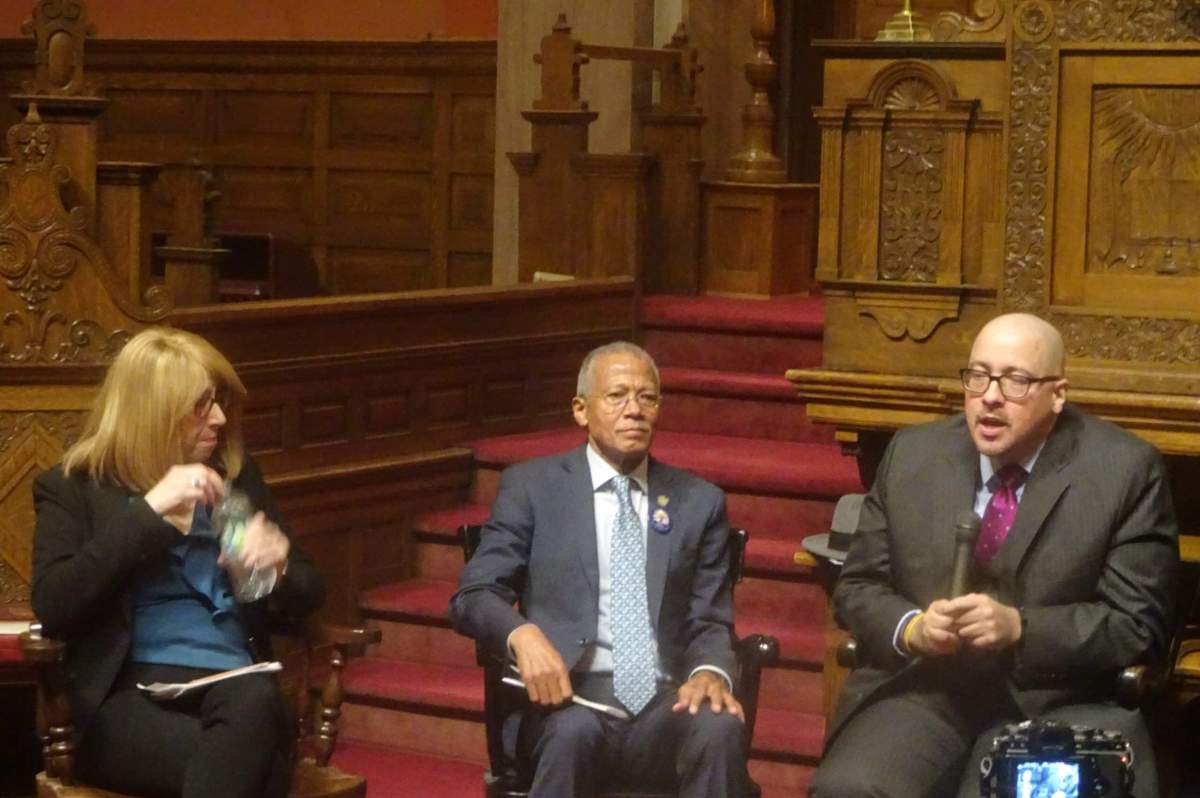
x,y
966,530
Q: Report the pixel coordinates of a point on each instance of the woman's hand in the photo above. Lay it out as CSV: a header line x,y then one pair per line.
x,y
174,497
265,545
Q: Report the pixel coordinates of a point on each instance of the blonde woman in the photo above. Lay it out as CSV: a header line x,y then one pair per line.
x,y
127,571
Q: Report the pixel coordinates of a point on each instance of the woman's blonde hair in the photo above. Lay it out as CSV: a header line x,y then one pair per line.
x,y
134,432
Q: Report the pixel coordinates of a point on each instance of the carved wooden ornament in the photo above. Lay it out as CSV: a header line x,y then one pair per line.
x,y
61,291
1146,145
59,28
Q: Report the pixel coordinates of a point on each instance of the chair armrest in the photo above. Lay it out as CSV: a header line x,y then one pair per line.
x,y
847,653
344,642
54,724
754,652
1137,683
353,639
38,649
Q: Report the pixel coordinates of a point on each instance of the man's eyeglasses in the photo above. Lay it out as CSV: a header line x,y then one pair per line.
x,y
617,400
1012,386
213,396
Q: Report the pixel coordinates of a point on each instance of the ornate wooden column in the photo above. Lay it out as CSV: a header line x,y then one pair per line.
x,y
759,230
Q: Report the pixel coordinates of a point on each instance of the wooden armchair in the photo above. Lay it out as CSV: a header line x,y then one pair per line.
x,y
505,778
312,775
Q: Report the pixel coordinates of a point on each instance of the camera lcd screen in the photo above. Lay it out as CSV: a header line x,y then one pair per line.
x,y
1047,779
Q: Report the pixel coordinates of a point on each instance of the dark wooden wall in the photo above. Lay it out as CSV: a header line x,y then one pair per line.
x,y
378,157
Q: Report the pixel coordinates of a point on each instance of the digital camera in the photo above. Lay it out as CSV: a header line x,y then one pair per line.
x,y
1050,759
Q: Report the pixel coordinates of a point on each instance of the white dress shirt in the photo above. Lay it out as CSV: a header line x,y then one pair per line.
x,y
597,657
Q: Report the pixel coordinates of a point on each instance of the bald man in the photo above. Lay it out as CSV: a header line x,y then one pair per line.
x,y
1072,579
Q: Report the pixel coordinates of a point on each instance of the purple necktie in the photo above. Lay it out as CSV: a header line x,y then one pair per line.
x,y
1000,512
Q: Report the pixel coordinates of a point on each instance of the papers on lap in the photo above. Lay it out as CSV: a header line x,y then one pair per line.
x,y
164,691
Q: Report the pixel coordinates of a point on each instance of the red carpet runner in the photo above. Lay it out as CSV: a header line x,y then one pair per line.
x,y
414,709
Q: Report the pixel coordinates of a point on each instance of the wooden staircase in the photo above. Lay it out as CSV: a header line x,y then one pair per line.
x,y
729,416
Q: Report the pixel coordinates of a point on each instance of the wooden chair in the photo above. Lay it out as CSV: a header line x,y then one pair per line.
x,y
312,775
505,778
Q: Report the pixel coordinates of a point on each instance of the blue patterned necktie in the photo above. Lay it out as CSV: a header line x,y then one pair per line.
x,y
632,650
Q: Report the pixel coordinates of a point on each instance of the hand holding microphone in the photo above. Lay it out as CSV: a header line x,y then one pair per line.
x,y
975,620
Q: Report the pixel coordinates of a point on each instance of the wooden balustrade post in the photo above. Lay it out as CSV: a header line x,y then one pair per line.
x,y
553,205
760,231
192,261
123,220
671,132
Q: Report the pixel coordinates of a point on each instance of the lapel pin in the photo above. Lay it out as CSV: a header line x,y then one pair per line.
x,y
660,522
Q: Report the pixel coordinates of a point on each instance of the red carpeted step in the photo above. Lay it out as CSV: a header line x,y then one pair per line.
x,y
799,316
416,686
445,523
776,557
508,449
394,773
788,735
414,600
752,465
781,517
801,601
733,334
727,383
759,466
762,353
743,404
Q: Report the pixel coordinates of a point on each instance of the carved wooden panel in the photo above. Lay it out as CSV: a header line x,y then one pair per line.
x,y
62,301
263,118
30,442
474,124
304,136
388,209
281,199
904,238
1100,230
911,203
153,116
467,269
388,413
348,380
353,270
1133,241
385,121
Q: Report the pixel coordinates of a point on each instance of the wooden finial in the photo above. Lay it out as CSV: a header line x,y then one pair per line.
x,y
756,161
59,29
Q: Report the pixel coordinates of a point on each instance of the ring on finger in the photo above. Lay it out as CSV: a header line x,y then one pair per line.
x,y
195,482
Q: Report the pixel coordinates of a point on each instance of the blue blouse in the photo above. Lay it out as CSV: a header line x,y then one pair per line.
x,y
184,612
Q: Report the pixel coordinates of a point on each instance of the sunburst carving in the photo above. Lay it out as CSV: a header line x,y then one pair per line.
x,y
912,94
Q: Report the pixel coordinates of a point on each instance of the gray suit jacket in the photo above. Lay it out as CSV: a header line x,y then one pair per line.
x,y
1090,561
538,551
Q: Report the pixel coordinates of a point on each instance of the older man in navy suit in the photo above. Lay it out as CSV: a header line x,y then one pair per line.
x,y
619,569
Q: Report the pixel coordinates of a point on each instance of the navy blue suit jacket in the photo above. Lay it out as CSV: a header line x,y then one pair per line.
x,y
538,552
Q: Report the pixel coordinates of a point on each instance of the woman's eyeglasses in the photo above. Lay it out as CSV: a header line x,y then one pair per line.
x,y
213,396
